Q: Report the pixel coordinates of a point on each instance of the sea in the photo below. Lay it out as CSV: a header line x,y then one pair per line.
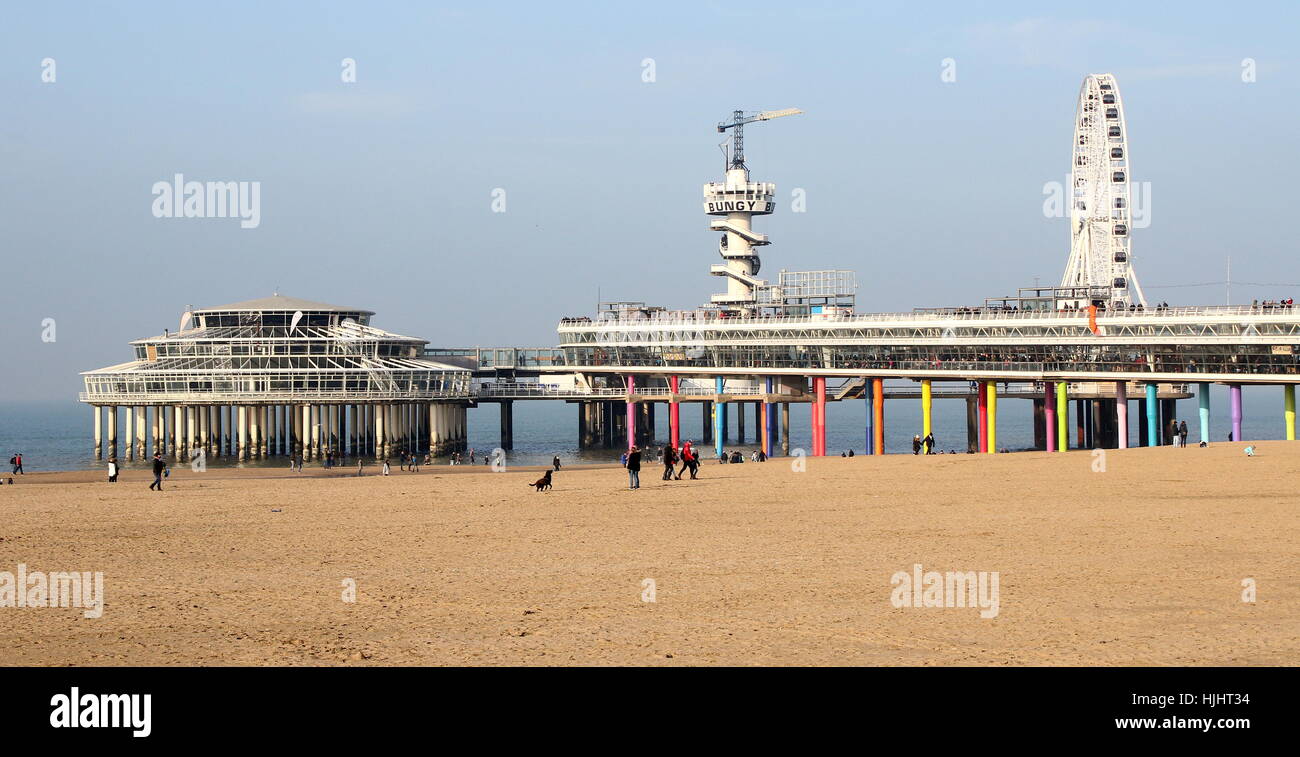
x,y
58,435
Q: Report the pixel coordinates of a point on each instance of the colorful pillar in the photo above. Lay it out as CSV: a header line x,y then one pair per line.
x,y
1049,415
871,411
1121,413
819,391
1234,393
1153,425
982,407
631,413
1062,416
719,417
769,420
993,416
1288,405
1203,398
927,407
674,412
878,410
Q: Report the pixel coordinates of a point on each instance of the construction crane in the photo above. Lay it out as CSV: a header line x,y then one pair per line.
x,y
738,121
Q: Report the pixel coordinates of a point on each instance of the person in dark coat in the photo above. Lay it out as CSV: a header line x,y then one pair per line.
x,y
669,460
633,466
159,467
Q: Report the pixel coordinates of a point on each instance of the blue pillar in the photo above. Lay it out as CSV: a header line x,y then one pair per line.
x,y
1153,426
769,417
719,418
871,409
1204,396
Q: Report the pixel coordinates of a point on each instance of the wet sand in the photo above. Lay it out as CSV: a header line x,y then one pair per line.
x,y
755,564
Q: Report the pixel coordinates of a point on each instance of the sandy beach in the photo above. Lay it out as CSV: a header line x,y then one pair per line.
x,y
754,564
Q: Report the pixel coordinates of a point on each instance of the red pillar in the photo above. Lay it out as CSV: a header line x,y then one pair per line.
x,y
982,402
674,414
631,413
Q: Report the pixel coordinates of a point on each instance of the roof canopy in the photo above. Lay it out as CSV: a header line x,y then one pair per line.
x,y
280,302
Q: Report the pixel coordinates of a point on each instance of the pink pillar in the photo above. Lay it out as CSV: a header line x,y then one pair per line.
x,y
1121,413
1049,413
631,413
819,417
674,412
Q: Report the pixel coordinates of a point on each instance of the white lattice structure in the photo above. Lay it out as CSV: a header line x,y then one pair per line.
x,y
1100,202
281,375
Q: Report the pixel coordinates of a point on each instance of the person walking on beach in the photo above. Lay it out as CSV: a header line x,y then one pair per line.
x,y
1182,432
401,459
159,467
414,465
112,469
633,465
17,462
669,458
916,444
690,460
555,462
361,463
386,467
928,441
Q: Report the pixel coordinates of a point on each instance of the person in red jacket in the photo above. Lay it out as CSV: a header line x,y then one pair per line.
x,y
690,461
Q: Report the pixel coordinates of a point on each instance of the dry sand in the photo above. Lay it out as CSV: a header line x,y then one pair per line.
x,y
753,564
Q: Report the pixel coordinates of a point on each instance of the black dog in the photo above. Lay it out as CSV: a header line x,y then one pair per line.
x,y
543,483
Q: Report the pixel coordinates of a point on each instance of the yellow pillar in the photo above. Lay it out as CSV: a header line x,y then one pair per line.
x,y
993,416
1288,399
1062,417
927,405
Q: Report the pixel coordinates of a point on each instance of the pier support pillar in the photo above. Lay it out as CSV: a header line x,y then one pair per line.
x,y
631,413
1153,425
1288,410
706,422
868,392
1121,414
982,406
1049,415
173,434
241,433
381,432
878,411
1062,416
993,416
927,410
99,431
141,447
1040,426
507,424
819,425
972,424
178,429
1234,404
1203,409
1080,425
740,422
129,435
155,427
112,430
785,428
674,412
719,417
769,419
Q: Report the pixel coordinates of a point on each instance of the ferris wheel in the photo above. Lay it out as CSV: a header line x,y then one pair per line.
x,y
1100,256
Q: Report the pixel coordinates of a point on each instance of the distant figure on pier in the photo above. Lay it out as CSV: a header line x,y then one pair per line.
x,y
112,469
159,467
555,462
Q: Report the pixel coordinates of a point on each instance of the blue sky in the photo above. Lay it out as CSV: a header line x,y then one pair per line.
x,y
378,193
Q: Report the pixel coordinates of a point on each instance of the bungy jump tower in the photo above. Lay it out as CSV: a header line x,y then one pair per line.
x,y
279,376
